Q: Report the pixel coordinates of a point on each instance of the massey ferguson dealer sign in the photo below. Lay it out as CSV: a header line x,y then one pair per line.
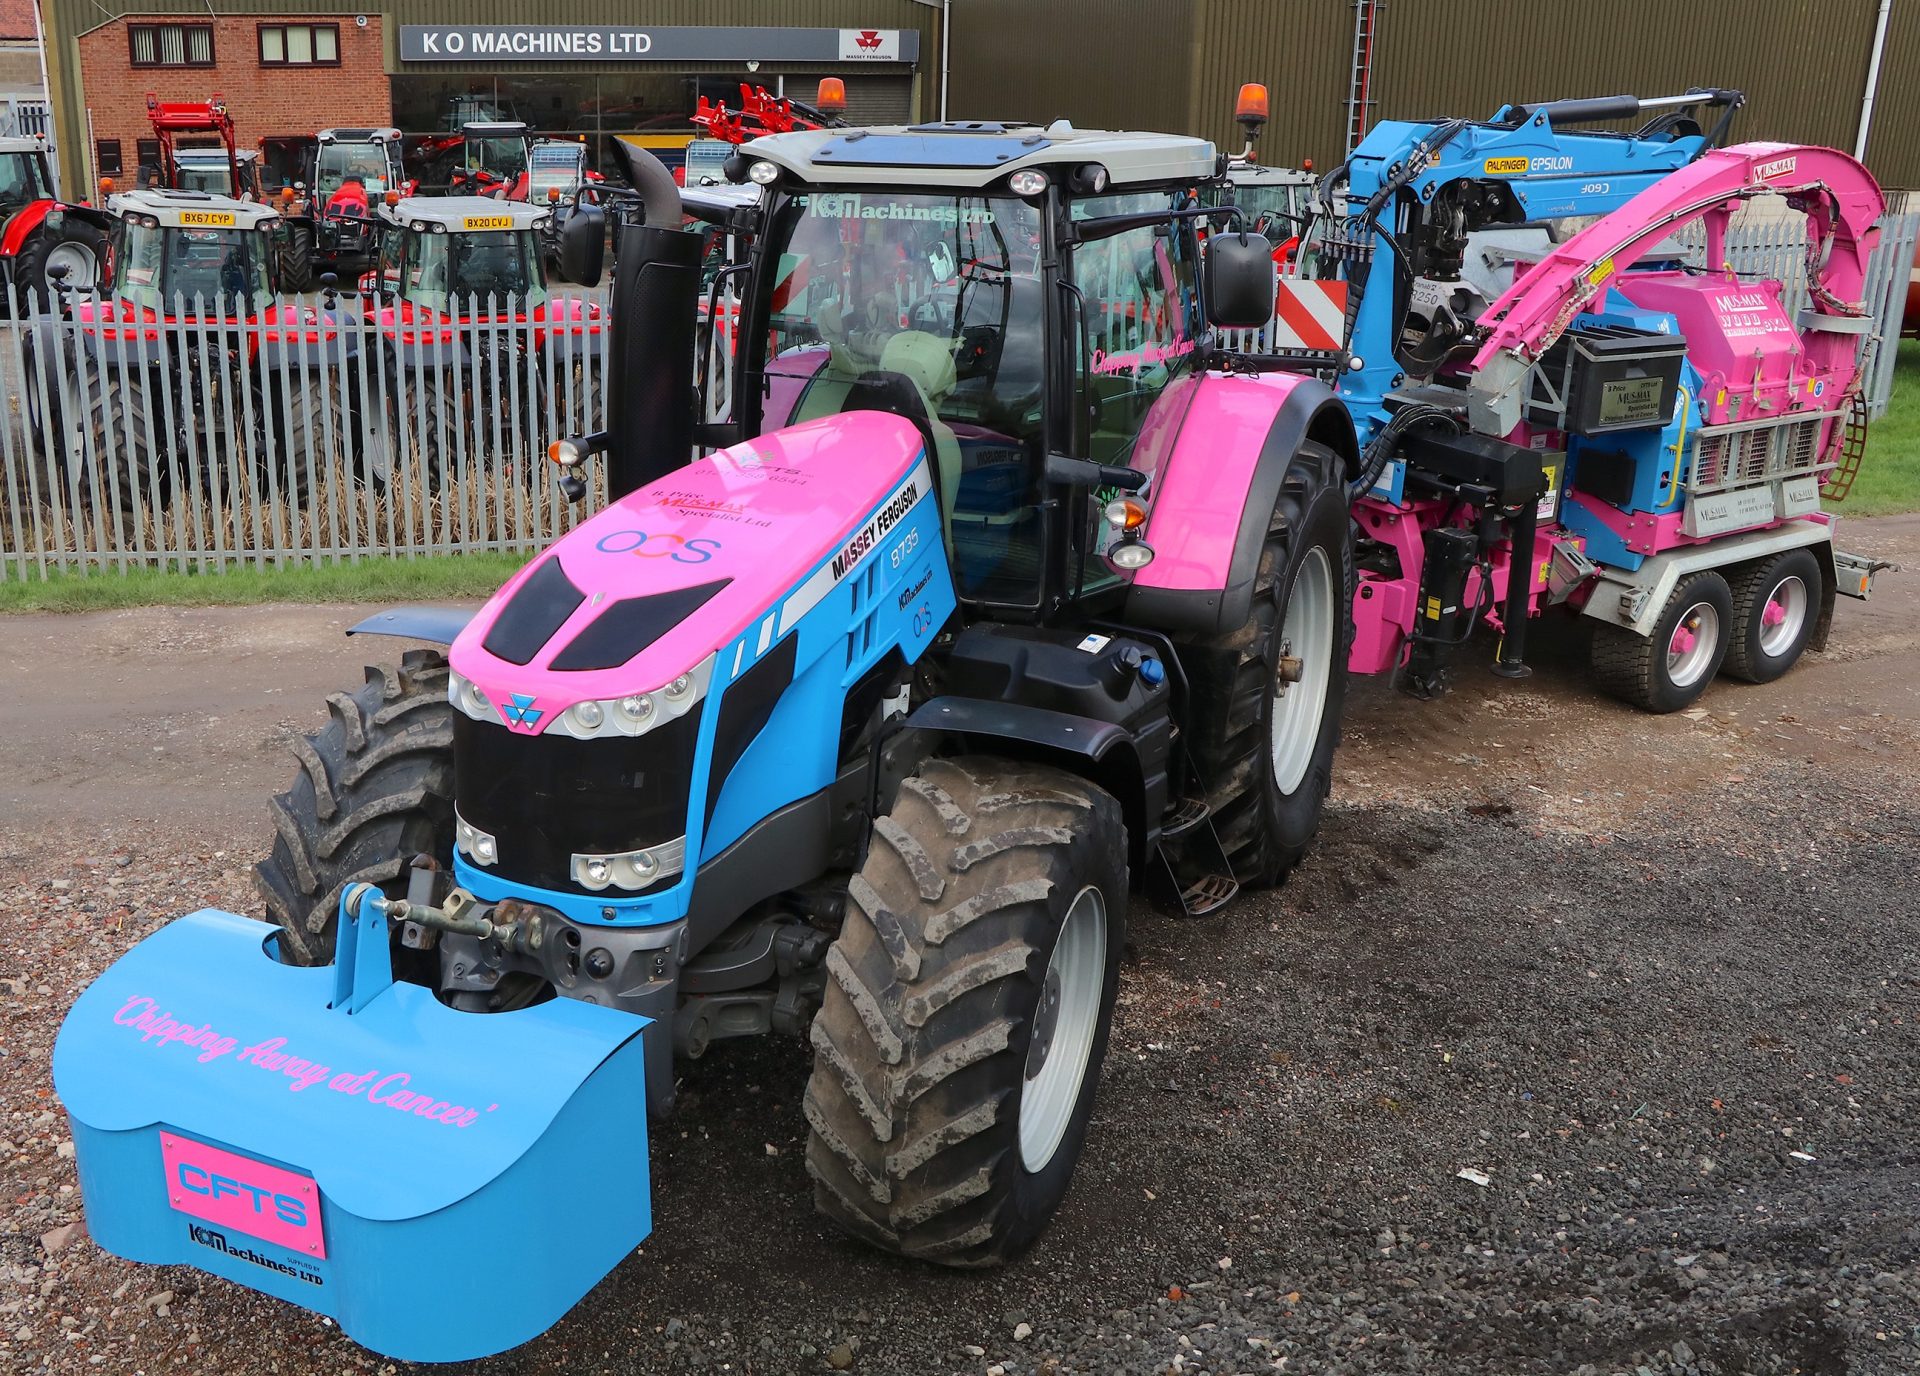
x,y
608,43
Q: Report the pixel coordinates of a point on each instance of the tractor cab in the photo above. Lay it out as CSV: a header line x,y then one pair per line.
x,y
330,209
24,178
210,170
558,174
1020,293
494,159
189,254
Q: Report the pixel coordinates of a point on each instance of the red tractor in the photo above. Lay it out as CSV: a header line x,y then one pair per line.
x,y
186,169
329,206
475,355
44,241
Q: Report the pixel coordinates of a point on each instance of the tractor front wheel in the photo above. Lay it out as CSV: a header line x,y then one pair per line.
x,y
971,992
1267,697
375,789
295,254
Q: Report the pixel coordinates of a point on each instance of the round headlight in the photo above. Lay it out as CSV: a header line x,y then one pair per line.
x,y
644,865
484,849
1028,181
418,226
679,688
597,872
477,699
586,715
638,707
1132,554
764,173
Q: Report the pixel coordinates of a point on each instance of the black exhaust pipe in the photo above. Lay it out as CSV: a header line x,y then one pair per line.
x,y
656,296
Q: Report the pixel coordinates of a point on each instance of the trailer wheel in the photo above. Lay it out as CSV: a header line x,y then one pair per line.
x,y
295,253
78,245
1267,697
1775,605
966,1014
1667,669
375,789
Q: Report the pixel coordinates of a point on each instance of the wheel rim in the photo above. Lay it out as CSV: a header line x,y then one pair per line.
x,y
1782,615
1304,669
1691,648
83,268
1064,1024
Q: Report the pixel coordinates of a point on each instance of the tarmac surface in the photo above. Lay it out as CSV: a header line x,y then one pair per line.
x,y
1584,1042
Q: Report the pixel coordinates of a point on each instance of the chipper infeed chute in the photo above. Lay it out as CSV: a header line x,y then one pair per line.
x,y
319,1133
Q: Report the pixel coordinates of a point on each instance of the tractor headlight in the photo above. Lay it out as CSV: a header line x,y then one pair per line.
x,y
632,869
764,173
677,690
637,707
474,843
1130,555
587,715
468,696
1028,181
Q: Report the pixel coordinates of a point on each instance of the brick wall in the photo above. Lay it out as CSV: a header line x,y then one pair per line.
x,y
264,101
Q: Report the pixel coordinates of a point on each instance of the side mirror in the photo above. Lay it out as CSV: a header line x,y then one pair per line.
x,y
1237,280
583,245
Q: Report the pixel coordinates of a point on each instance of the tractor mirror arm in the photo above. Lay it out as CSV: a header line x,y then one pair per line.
x,y
1106,226
1072,472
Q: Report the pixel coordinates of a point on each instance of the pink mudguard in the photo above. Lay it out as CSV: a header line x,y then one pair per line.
x,y
1202,467
758,516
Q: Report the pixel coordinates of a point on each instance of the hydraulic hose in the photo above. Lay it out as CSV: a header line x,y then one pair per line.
x,y
1379,451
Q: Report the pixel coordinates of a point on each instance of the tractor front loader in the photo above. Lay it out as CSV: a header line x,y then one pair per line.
x,y
1002,591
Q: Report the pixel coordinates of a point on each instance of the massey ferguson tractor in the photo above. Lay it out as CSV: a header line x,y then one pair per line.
x,y
330,208
861,728
469,334
44,242
184,365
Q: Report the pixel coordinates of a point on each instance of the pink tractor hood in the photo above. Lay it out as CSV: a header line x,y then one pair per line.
x,y
652,587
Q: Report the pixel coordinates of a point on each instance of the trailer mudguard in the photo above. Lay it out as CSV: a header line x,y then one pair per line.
x,y
351,1144
1213,495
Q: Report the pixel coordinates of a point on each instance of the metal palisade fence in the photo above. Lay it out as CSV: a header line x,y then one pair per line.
x,y
209,435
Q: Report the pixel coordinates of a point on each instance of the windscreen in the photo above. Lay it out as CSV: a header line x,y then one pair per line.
x,y
502,158
556,167
899,301
451,273
344,162
213,178
167,270
22,179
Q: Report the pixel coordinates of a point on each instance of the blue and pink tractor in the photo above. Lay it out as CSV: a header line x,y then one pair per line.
x,y
999,590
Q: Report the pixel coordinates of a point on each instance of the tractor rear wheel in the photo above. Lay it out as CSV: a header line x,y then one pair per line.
x,y
375,789
77,245
971,993
1775,606
1267,697
294,253
1668,669
124,427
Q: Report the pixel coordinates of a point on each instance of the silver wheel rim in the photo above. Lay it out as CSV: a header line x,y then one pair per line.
x,y
1304,670
1782,614
1064,1024
83,268
1690,649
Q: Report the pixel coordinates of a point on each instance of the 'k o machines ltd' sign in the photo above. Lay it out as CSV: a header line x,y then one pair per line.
x,y
613,43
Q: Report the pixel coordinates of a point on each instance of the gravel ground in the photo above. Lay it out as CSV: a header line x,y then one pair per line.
x,y
1584,1043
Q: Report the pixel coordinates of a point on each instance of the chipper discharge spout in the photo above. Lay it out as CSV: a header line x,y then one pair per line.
x,y
316,1133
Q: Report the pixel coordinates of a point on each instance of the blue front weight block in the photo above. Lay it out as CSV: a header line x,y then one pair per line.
x,y
351,1144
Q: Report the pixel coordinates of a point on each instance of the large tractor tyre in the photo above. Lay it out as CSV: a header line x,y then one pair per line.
x,y
295,258
966,1016
1668,669
1267,697
125,427
301,458
1775,605
375,789
77,245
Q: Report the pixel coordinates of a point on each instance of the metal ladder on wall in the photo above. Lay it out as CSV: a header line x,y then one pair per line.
x,y
1360,102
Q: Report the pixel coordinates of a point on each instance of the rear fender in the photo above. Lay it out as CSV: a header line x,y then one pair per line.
x,y
435,625
1214,497
35,214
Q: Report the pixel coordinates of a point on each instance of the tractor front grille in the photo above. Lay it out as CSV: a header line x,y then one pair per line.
x,y
546,798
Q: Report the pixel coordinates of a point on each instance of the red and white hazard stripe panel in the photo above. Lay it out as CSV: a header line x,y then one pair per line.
x,y
1309,315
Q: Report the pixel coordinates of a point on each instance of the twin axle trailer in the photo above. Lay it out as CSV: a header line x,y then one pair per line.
x,y
1003,590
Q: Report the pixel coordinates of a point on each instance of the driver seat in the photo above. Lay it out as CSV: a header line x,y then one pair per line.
x,y
916,372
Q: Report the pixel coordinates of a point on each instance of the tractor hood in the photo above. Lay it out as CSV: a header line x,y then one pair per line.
x,y
641,597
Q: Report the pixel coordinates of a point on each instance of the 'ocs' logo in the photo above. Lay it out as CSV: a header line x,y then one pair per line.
x,y
643,546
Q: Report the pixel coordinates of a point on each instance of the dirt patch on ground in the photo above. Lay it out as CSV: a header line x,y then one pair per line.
x,y
1652,981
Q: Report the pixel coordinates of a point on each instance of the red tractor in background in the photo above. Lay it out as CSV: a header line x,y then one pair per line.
x,y
329,207
39,234
173,118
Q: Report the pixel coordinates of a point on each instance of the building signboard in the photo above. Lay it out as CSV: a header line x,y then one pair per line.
x,y
625,43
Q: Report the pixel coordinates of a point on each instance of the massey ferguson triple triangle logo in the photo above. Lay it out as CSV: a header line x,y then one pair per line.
x,y
869,39
869,45
520,711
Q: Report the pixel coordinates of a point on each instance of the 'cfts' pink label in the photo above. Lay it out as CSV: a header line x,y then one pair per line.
x,y
238,1192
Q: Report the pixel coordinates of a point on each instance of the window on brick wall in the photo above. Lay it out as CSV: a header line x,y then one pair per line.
x,y
170,45
108,156
299,45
